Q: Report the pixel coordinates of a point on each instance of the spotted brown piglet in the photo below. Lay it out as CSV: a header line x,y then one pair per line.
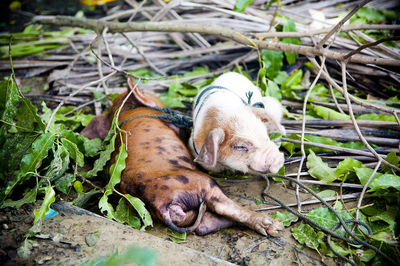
x,y
159,170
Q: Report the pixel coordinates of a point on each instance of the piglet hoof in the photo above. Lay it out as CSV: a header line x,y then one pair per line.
x,y
265,226
275,227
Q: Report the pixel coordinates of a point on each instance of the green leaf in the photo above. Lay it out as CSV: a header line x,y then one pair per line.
x,y
84,197
25,118
324,217
105,206
305,234
92,147
124,214
64,183
328,113
75,138
59,164
101,162
141,210
281,77
388,216
341,249
172,99
367,255
286,218
320,170
347,166
29,197
293,80
273,61
379,181
73,151
176,237
49,198
290,26
241,5
13,149
25,250
132,256
78,186
33,113
327,193
117,167
391,158
273,90
377,117
39,150
262,83
8,107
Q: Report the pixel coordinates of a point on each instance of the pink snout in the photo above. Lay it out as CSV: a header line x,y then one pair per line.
x,y
268,160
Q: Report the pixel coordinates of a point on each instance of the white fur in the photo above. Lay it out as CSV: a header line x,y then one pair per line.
x,y
264,156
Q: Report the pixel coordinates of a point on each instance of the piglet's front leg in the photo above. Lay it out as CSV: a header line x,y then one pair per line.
x,y
222,205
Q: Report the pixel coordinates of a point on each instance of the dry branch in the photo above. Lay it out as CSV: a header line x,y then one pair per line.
x,y
181,26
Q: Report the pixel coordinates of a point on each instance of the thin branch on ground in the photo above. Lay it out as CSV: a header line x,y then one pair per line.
x,y
140,51
303,128
347,56
341,22
357,128
365,188
310,202
385,109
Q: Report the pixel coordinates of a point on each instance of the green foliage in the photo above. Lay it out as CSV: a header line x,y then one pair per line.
x,y
184,92
293,148
289,26
44,146
273,61
241,5
320,170
32,41
328,113
133,255
305,234
286,217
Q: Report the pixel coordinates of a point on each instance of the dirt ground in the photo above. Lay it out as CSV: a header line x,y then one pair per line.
x,y
239,246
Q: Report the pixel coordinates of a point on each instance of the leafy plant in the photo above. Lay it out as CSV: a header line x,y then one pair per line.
x,y
38,151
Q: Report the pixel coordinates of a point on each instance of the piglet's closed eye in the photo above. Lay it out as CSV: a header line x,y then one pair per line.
x,y
209,152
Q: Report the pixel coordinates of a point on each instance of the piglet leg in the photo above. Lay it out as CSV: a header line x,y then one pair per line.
x,y
211,223
222,205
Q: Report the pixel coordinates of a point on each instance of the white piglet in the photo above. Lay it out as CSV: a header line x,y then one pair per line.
x,y
231,122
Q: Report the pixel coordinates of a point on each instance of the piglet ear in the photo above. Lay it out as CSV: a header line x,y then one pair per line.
x,y
209,152
270,115
98,127
142,98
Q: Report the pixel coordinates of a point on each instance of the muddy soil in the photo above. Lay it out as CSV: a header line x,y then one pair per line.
x,y
236,245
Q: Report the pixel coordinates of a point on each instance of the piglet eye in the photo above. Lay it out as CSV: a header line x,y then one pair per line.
x,y
241,148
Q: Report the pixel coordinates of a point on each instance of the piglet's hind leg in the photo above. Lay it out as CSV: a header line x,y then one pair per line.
x,y
222,205
211,223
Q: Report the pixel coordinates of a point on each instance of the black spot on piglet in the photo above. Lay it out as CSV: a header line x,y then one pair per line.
x,y
182,179
139,189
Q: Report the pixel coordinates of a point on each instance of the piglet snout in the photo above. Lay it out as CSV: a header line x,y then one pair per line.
x,y
268,160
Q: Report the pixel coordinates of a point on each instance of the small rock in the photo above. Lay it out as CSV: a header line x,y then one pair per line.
x,y
3,219
44,259
5,226
15,218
